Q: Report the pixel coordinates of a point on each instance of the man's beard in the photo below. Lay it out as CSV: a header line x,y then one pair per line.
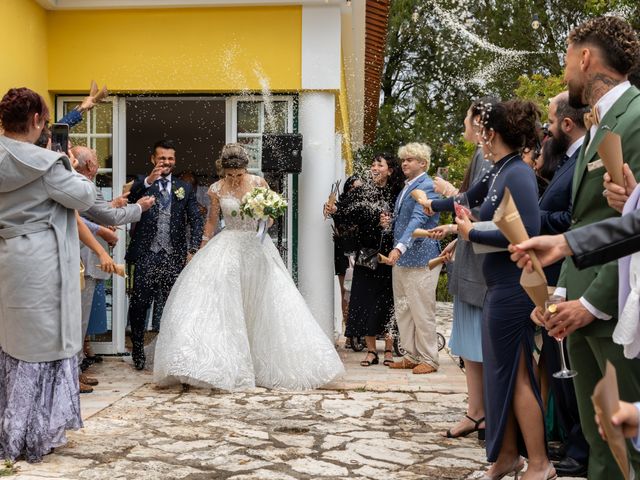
x,y
575,95
559,144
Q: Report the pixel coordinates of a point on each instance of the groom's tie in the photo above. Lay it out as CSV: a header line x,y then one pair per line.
x,y
165,198
162,240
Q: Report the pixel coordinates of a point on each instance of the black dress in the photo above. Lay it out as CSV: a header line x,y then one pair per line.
x,y
371,300
507,330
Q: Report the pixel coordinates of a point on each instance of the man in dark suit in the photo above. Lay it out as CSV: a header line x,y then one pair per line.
x,y
158,247
567,130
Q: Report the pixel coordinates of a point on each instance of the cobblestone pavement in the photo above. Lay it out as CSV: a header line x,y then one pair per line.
x,y
352,433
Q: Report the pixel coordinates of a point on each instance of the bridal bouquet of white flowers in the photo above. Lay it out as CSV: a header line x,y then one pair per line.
x,y
262,204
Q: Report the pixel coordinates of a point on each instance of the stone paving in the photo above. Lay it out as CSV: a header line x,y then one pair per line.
x,y
369,424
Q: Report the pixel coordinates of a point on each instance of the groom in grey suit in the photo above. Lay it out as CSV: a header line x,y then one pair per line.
x,y
105,215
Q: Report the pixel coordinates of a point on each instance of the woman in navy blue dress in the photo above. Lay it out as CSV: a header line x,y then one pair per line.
x,y
513,407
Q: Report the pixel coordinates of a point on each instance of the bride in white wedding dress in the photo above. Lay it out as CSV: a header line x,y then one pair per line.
x,y
234,318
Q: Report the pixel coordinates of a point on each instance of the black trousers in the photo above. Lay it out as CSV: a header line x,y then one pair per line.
x,y
153,277
576,445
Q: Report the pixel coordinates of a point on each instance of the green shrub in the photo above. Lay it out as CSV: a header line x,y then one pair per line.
x,y
442,293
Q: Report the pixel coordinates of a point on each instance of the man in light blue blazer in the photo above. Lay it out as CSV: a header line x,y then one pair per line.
x,y
414,285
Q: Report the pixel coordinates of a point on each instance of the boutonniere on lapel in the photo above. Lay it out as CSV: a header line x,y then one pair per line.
x,y
179,193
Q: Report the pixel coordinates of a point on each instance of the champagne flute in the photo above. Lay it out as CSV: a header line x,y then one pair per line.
x,y
443,173
551,306
461,204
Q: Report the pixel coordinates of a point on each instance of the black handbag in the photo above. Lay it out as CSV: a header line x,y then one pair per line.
x,y
368,257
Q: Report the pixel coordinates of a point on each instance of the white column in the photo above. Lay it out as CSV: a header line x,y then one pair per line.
x,y
315,245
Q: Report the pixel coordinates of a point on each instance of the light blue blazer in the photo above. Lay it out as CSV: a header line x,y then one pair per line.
x,y
408,215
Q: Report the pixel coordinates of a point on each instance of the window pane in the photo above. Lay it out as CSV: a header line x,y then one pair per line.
x,y
276,114
78,141
104,152
253,146
104,182
249,117
103,113
80,127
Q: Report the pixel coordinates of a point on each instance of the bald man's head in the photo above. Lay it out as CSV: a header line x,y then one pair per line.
x,y
87,161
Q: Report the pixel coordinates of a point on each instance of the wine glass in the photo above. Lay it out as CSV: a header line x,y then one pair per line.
x,y
386,212
551,307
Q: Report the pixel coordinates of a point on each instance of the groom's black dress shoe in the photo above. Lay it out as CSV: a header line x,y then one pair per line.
x,y
569,467
138,363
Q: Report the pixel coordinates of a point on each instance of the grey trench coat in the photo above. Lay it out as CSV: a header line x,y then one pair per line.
x,y
39,252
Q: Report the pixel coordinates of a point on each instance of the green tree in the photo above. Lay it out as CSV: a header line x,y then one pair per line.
x,y
442,54
539,89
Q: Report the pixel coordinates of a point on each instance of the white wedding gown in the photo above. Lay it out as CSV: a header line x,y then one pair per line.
x,y
235,319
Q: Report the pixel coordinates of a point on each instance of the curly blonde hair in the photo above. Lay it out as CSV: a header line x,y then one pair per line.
x,y
420,151
615,38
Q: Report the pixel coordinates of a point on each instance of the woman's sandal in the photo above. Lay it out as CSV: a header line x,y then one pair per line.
x,y
388,361
368,363
475,428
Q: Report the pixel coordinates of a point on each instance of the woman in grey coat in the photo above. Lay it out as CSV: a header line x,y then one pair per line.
x,y
40,331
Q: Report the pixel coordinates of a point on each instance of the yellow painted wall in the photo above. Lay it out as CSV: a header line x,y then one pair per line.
x,y
23,37
175,50
343,124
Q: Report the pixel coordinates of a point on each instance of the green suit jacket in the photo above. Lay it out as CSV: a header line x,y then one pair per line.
x,y
599,284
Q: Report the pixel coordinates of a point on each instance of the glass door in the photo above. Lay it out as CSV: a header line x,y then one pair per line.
x,y
96,131
249,118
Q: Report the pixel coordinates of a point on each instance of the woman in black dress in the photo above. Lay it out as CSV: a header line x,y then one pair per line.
x,y
371,300
513,407
340,243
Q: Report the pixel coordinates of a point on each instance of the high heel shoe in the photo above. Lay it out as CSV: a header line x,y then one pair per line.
x,y
550,473
368,363
516,469
388,361
464,433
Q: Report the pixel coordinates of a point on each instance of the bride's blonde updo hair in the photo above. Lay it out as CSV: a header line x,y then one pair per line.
x,y
234,155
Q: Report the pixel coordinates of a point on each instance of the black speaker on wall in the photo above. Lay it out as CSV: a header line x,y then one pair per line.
x,y
282,152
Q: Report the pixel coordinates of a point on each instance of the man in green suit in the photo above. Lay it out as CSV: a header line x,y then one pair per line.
x,y
600,54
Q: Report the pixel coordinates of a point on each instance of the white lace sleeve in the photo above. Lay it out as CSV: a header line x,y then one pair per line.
x,y
258,181
215,188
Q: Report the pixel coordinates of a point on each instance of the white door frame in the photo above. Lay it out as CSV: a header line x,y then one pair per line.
x,y
118,308
119,148
232,136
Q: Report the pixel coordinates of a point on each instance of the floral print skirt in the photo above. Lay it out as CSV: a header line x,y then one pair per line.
x,y
38,403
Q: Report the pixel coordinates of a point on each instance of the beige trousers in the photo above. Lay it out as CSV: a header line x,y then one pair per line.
x,y
414,298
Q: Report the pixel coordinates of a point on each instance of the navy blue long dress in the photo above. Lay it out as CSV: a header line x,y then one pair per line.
x,y
507,329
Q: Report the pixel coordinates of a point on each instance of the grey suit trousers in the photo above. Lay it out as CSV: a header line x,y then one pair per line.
x,y
86,301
